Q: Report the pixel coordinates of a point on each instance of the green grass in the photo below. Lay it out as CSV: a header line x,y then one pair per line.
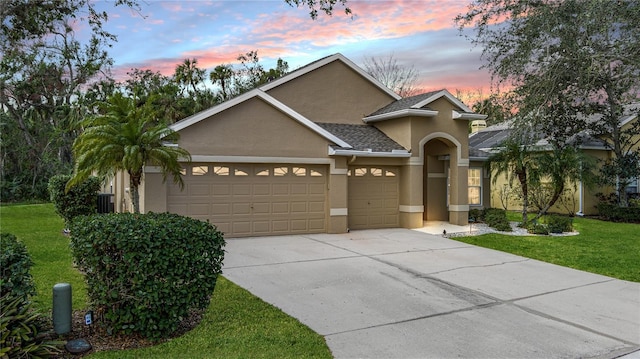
x,y
601,247
236,324
40,229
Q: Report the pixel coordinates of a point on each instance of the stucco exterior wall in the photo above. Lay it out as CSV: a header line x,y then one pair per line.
x,y
333,93
252,128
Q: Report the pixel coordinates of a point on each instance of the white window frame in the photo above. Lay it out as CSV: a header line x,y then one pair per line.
x,y
479,187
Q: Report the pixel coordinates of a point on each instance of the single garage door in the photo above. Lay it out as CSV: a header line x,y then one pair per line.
x,y
254,199
373,197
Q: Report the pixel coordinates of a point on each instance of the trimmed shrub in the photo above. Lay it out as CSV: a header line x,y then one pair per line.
x,y
559,224
81,200
146,272
20,331
537,228
497,218
476,215
613,213
15,265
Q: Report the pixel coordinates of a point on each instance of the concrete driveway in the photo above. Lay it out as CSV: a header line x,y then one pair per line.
x,y
400,293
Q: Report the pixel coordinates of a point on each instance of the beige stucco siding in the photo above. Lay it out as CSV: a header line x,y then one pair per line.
x,y
333,93
252,128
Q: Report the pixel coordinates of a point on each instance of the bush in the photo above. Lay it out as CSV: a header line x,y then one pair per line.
x,y
19,328
15,264
537,228
559,224
497,218
80,200
476,215
146,272
613,213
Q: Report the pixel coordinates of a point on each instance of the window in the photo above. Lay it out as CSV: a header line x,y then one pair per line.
x,y
199,170
632,188
280,171
475,186
221,170
299,171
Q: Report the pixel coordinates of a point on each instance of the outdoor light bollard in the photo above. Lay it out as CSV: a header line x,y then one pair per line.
x,y
62,308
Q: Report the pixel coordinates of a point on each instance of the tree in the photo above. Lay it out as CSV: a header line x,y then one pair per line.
x,y
573,65
44,70
401,79
223,74
560,167
316,6
515,161
189,76
126,138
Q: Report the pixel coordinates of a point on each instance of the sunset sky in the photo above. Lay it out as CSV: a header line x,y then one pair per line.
x,y
418,33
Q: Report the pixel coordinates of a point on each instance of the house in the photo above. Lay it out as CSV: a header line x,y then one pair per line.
x,y
324,149
578,198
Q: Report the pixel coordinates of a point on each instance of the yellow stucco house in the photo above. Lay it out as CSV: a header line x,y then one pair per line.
x,y
324,149
578,199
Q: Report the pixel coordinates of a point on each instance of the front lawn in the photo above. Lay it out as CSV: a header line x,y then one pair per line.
x,y
601,247
236,324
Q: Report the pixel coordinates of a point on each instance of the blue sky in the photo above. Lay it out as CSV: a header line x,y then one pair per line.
x,y
418,33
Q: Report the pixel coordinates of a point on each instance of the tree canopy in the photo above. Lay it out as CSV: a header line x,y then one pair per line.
x,y
571,66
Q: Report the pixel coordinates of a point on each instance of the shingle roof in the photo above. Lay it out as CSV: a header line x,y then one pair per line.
x,y
362,137
404,103
488,138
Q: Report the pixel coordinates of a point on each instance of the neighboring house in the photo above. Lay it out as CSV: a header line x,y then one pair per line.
x,y
578,198
326,148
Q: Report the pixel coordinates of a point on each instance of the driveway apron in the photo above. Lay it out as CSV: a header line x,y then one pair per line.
x,y
398,293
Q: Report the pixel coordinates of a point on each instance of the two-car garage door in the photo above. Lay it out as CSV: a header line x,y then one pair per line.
x,y
254,199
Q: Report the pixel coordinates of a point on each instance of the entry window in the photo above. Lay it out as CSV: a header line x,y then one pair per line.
x,y
475,186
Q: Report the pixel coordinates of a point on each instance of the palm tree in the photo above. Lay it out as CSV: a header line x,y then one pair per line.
x,y
515,161
561,165
223,74
125,138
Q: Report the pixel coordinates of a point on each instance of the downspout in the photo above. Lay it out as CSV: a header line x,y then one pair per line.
x,y
580,212
353,158
580,199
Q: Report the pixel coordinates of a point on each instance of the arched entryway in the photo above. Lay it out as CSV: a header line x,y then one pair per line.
x,y
444,179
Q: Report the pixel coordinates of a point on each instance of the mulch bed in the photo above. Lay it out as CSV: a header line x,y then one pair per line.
x,y
100,340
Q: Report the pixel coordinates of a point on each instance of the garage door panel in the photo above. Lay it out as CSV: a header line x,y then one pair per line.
x,y
280,189
317,207
220,208
199,189
299,189
221,189
279,208
262,189
199,209
245,200
299,207
299,225
241,208
241,189
261,208
280,226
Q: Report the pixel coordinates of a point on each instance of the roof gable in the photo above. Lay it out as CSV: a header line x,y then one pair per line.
x,y
418,105
257,93
322,62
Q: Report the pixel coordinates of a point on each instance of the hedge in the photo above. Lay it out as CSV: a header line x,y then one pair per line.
x,y
146,272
